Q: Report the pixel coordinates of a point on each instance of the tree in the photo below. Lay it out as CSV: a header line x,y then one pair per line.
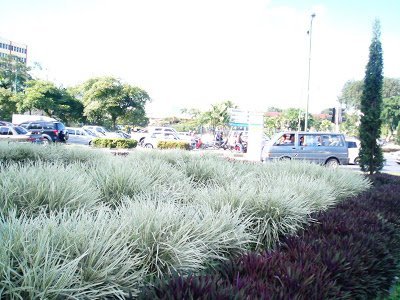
x,y
55,102
371,157
39,95
352,91
218,115
350,127
391,113
108,99
351,94
8,104
292,118
14,74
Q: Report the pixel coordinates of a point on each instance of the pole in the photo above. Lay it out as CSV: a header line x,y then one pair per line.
x,y
309,71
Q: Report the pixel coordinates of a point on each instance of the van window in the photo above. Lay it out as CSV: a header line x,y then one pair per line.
x,y
335,141
285,140
71,131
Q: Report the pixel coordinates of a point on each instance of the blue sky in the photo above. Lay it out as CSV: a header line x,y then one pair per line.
x,y
191,53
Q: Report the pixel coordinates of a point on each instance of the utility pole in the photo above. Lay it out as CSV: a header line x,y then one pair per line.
x,y
309,72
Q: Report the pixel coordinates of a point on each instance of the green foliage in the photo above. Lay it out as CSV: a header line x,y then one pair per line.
x,y
120,143
217,115
8,104
322,125
76,255
173,145
371,157
398,134
352,91
55,102
110,224
54,153
108,98
13,74
293,118
350,127
32,188
391,112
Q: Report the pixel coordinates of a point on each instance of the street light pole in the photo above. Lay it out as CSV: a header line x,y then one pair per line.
x,y
309,71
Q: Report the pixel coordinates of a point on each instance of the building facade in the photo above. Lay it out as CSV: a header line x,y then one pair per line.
x,y
7,47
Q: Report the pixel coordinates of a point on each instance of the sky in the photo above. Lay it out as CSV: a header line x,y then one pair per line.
x,y
194,53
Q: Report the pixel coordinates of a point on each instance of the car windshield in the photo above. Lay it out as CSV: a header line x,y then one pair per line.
x,y
20,130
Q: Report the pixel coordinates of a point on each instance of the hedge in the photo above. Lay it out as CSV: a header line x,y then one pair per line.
x,y
173,145
114,143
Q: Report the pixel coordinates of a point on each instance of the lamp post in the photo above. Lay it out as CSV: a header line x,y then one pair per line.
x,y
309,71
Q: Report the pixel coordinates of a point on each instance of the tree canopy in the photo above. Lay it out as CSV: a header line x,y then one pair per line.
x,y
54,101
108,99
14,74
352,91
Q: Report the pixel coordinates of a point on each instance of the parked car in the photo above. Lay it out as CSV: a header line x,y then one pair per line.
x,y
123,134
79,136
152,140
147,132
19,134
5,123
52,131
353,146
99,131
329,149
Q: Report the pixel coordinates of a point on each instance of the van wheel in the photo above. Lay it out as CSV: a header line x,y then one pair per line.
x,y
357,161
332,163
150,146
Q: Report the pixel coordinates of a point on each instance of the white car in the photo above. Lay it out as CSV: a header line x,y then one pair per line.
x,y
152,140
99,131
79,136
353,146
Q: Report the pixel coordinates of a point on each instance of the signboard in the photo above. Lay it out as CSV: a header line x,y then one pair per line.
x,y
254,121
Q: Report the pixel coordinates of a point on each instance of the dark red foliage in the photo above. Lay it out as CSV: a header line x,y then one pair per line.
x,y
351,252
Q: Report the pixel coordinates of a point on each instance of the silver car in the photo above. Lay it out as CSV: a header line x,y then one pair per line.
x,y
79,136
12,133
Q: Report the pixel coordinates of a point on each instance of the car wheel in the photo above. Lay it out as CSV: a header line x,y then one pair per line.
x,y
357,161
46,141
285,158
150,146
332,163
90,143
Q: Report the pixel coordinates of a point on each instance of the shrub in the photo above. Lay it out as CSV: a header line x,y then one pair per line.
x,y
114,143
130,177
350,253
173,145
170,237
66,255
62,154
33,187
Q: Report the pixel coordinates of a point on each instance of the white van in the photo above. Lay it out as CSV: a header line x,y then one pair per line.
x,y
354,148
329,149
